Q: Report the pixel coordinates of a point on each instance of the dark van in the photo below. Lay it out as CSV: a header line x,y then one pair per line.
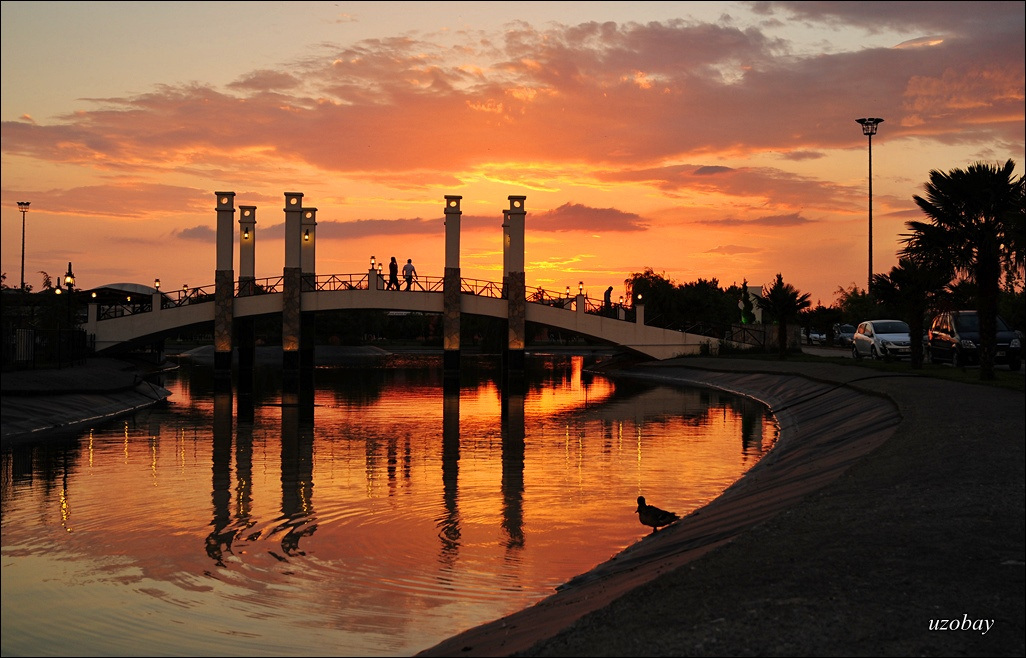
x,y
955,337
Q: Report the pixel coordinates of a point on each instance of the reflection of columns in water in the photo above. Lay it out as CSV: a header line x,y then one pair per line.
x,y
392,463
449,524
513,469
296,480
220,538
244,469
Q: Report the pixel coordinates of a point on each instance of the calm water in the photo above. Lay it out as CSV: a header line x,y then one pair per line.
x,y
384,518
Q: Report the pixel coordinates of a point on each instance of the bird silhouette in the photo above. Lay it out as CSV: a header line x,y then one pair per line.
x,y
651,515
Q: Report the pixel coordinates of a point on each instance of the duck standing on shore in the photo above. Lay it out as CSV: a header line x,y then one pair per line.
x,y
651,515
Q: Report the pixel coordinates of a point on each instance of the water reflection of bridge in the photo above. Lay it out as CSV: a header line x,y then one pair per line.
x,y
235,528
230,304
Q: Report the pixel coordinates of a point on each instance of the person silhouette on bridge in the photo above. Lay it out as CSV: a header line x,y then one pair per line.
x,y
607,302
409,272
393,275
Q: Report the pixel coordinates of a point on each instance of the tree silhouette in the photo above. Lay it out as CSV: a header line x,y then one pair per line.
x,y
782,303
976,229
747,310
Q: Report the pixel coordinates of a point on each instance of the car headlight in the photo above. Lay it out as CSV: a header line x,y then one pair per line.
x,y
1014,343
968,344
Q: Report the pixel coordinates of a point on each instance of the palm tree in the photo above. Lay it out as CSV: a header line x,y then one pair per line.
x,y
976,229
911,290
782,303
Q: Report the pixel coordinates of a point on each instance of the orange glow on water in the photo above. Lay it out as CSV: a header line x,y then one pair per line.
x,y
398,511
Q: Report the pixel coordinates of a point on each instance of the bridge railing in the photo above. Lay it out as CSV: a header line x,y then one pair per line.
x,y
482,288
329,282
187,296
121,309
341,282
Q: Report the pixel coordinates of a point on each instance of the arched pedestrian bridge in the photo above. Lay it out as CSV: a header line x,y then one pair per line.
x,y
133,321
300,292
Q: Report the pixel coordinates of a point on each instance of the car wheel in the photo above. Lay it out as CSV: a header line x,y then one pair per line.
x,y
855,353
873,353
956,359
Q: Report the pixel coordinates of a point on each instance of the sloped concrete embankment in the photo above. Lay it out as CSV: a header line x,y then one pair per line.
x,y
45,403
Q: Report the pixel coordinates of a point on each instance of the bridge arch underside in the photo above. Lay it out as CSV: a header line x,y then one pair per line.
x,y
134,331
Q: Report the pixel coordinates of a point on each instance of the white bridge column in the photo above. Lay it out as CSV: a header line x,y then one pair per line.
x,y
451,287
245,333
291,304
224,289
514,284
308,332
247,250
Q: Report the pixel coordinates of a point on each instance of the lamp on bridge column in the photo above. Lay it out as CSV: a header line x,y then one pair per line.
x,y
580,287
156,284
372,262
568,291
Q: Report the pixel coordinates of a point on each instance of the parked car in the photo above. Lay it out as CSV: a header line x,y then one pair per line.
x,y
843,333
955,337
882,339
813,337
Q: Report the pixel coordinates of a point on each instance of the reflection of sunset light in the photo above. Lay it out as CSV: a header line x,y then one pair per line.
x,y
367,488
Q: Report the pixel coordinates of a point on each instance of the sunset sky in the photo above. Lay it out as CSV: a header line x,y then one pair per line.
x,y
698,139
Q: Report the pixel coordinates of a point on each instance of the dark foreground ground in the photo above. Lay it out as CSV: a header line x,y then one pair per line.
x,y
888,521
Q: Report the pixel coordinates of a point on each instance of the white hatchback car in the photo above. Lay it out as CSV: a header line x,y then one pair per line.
x,y
882,339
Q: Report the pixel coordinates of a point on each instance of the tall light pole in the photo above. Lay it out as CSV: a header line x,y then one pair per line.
x,y
869,129
23,207
69,283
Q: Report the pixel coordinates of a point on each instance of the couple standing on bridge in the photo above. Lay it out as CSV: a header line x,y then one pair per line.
x,y
409,273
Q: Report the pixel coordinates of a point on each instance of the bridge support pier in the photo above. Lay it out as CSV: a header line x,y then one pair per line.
x,y
245,338
308,333
514,287
224,291
292,299
451,290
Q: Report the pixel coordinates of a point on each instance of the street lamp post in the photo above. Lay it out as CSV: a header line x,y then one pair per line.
x,y
869,129
69,283
23,206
